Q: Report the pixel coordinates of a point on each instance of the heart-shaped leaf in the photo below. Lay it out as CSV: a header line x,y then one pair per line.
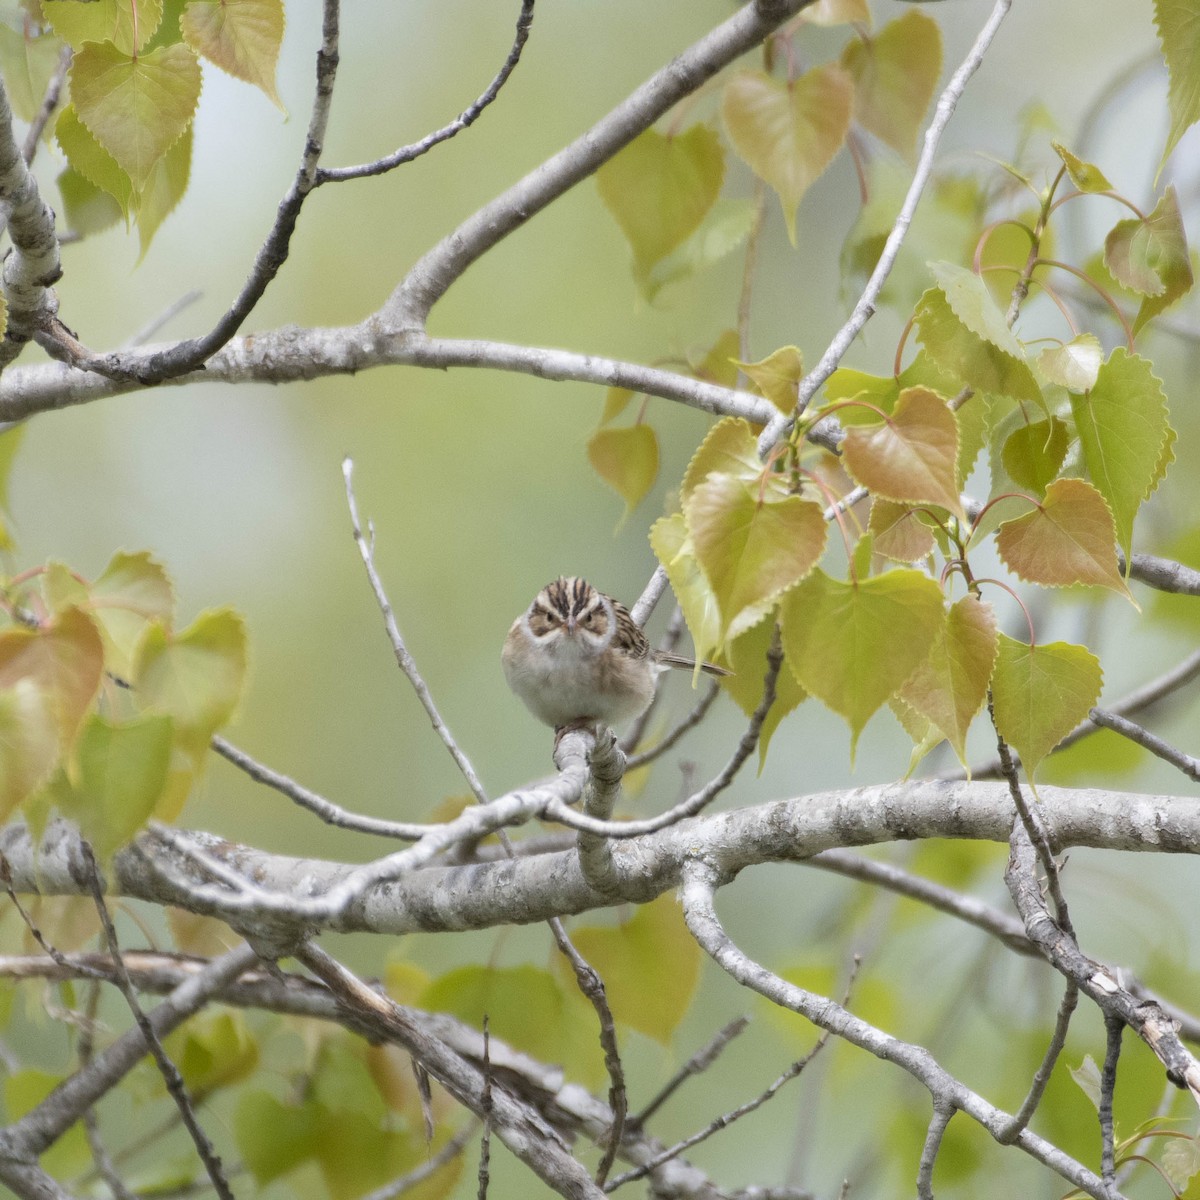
x,y
627,460
242,37
788,133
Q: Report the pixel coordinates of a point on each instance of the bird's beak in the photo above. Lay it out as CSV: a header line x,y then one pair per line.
x,y
571,624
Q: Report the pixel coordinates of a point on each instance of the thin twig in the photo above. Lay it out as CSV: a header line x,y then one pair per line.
x,y
330,813
404,659
168,314
49,103
592,987
865,308
166,1068
1143,737
1114,1027
700,1061
1041,1077
643,606
942,1113
406,154
485,1104
687,723
450,1151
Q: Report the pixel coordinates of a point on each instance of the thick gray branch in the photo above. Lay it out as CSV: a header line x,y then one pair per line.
x,y
485,895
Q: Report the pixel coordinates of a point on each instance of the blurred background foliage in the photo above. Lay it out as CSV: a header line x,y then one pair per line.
x,y
480,491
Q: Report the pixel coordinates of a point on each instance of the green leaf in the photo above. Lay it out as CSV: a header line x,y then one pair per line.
x,y
1084,175
672,546
948,689
1068,539
91,160
729,448
1040,693
242,37
633,960
86,208
10,441
777,377
1124,434
1033,454
659,189
29,746
64,658
1073,365
126,24
752,543
911,456
1180,39
853,645
616,401
726,226
136,108
526,1006
895,76
718,364
133,591
27,64
213,1051
1087,1075
972,304
1159,247
274,1138
975,360
746,657
627,460
788,133
119,777
836,12
164,189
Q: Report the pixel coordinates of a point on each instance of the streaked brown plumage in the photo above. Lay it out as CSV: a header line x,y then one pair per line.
x,y
575,657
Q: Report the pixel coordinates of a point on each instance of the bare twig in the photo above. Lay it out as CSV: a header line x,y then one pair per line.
x,y
406,154
864,309
1143,737
167,315
330,813
942,1114
700,1061
671,737
450,1151
592,987
1114,1027
49,103
167,1069
404,659
1041,1077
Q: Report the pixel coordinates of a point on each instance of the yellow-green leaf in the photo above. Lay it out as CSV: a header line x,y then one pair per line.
x,y
127,24
725,227
1177,33
660,187
718,364
1073,365
119,775
1068,539
746,657
972,304
729,448
86,208
1033,454
136,107
65,658
672,545
777,377
895,75
196,676
29,744
836,12
1086,176
132,592
164,189
212,1051
752,544
27,63
898,532
627,460
974,359
91,160
911,456
242,37
853,645
1151,257
616,401
788,133
1123,430
633,960
1040,693
948,689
